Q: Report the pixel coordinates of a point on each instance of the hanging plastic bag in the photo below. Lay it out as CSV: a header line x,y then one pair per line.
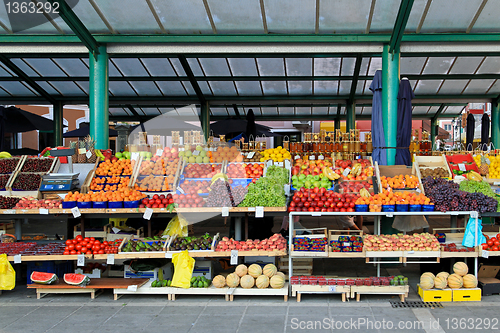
x,y
183,269
178,226
470,231
7,274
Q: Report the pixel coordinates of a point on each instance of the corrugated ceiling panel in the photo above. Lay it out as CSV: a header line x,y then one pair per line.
x,y
298,66
286,110
453,86
303,110
271,66
345,87
130,66
348,66
478,86
343,16
327,66
237,16
158,66
326,87
74,67
129,16
48,88
292,16
68,88
171,88
420,110
243,66
488,20
427,87
217,111
415,15
375,65
490,66
269,111
145,88
16,88
87,14
412,65
466,65
44,66
320,110
215,66
23,66
450,16
223,88
438,65
384,16
183,17
121,88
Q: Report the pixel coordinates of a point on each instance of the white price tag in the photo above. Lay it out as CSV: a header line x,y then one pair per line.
x,y
132,287
259,211
225,211
474,215
9,211
147,214
17,259
269,163
280,164
345,244
251,209
461,167
134,156
181,149
113,209
180,190
168,255
332,289
411,252
196,153
346,172
453,213
159,152
286,187
316,214
234,257
312,158
110,260
389,214
288,165
251,154
297,157
496,183
44,211
418,190
115,230
81,260
321,157
82,151
485,254
76,212
88,154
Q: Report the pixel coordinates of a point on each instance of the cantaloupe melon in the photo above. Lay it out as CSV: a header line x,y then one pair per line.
x,y
219,281
460,268
470,281
241,270
455,281
427,274
262,282
281,274
247,281
443,274
254,270
440,282
426,282
277,282
269,270
232,280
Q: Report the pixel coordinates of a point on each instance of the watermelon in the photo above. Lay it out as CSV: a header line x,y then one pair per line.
x,y
43,278
76,279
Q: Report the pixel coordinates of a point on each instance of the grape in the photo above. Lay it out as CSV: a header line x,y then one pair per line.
x,y
222,195
7,165
472,186
265,192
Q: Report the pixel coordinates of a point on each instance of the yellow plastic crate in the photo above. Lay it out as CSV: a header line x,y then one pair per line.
x,y
467,295
435,295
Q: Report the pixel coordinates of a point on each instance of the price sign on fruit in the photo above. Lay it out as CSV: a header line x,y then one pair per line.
x,y
81,260
110,260
251,154
159,152
147,214
234,257
346,172
88,154
485,254
461,167
76,212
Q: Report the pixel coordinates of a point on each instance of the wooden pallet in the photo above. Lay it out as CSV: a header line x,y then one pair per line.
x,y
298,290
402,291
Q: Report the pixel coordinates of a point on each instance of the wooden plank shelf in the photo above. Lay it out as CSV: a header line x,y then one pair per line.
x,y
402,291
50,257
298,290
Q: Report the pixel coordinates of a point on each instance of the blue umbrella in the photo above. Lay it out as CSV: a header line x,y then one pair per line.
x,y
403,138
378,137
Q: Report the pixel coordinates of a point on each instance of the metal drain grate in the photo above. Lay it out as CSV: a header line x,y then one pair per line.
x,y
415,304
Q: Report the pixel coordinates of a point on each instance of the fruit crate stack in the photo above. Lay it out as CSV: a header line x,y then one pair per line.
x,y
160,173
8,168
434,166
344,243
397,171
27,179
313,245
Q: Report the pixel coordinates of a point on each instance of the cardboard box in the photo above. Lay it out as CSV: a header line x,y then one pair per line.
x,y
435,295
152,275
96,273
488,282
203,268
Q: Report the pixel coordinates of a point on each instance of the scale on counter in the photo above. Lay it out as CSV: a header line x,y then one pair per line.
x,y
60,182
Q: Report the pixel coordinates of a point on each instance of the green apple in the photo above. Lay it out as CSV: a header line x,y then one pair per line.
x,y
199,159
199,148
118,155
127,155
203,154
307,184
181,154
186,159
192,159
188,153
206,159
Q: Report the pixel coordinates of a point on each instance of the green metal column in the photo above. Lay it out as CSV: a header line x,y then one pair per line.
x,y
351,116
57,112
495,124
205,119
434,125
390,88
98,99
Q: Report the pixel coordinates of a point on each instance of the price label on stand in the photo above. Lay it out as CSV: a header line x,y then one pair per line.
x,y
474,215
485,254
312,158
461,167
17,259
411,252
196,153
88,154
297,157
82,151
132,288
134,156
346,244
76,212
269,163
287,189
159,152
115,230
280,164
251,209
332,289
180,190
234,257
389,214
147,214
9,211
168,255
110,260
259,211
316,214
346,172
81,260
288,165
44,211
251,154
225,211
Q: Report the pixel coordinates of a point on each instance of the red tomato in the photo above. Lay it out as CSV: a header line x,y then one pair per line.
x,y
69,242
92,238
494,248
66,253
75,241
86,239
78,247
88,252
79,237
71,247
485,246
101,251
493,239
73,252
83,249
106,243
490,242
496,243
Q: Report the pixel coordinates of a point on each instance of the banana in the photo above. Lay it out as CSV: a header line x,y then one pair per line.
x,y
356,170
473,175
364,193
330,174
5,154
99,154
218,176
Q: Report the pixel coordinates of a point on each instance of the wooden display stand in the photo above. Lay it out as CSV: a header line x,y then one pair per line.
x,y
335,234
298,290
455,237
95,284
402,291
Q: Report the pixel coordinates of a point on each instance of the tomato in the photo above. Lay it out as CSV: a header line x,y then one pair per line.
x,y
489,242
493,239
75,241
83,249
496,243
88,252
156,196
103,246
69,241
79,237
494,248
71,247
73,252
106,243
101,251
92,238
485,246
66,253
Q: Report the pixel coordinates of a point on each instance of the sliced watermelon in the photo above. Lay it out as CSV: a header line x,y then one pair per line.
x,y
43,278
76,279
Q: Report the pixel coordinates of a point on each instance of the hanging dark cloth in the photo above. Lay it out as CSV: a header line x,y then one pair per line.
x,y
403,138
485,131
469,132
378,136
251,128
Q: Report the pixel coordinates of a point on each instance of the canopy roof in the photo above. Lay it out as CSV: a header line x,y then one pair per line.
x,y
287,59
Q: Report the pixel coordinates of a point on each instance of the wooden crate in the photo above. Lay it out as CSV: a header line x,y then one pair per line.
x,y
86,183
335,234
455,237
301,266
394,170
435,295
34,193
298,290
430,162
322,233
402,291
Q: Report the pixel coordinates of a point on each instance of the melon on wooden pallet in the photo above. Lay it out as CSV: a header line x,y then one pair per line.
x,y
43,278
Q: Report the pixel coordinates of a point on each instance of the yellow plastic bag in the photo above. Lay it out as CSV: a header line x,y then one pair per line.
x,y
178,226
7,274
183,269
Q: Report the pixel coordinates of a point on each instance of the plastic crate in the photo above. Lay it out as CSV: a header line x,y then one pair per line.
x,y
58,268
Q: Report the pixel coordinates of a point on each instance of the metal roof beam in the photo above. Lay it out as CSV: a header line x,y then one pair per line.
x,y
135,113
77,27
16,70
192,79
438,112
400,25
354,83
